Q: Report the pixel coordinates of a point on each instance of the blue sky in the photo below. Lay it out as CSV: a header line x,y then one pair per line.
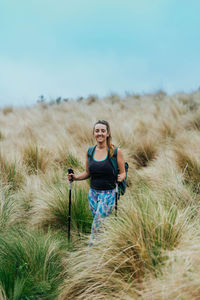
x,y
81,47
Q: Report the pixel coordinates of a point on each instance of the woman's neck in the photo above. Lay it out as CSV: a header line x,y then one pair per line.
x,y
102,146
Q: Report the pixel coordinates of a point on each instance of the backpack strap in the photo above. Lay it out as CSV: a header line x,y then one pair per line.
x,y
115,152
113,161
90,151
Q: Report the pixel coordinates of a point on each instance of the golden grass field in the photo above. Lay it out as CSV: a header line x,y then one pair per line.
x,y
151,250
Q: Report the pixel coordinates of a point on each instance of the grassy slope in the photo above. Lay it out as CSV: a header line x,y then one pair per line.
x,y
151,250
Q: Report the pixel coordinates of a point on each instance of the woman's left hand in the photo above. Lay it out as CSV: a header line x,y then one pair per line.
x,y
120,177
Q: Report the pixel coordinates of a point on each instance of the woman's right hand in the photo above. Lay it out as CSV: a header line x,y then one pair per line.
x,y
71,177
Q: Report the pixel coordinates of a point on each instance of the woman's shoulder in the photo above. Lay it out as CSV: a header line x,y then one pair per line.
x,y
92,147
117,150
119,154
90,150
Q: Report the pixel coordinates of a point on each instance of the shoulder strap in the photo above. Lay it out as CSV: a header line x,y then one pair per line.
x,y
113,160
115,152
91,150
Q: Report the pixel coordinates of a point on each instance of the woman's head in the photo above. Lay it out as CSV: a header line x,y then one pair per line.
x,y
105,128
105,125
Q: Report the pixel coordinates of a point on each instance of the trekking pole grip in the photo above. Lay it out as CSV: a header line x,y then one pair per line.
x,y
70,171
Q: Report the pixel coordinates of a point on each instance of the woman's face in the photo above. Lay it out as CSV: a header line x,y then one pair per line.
x,y
100,133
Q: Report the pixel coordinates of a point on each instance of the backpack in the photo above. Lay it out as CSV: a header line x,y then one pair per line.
x,y
121,185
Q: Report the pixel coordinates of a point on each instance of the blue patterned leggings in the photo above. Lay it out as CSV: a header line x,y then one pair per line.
x,y
102,204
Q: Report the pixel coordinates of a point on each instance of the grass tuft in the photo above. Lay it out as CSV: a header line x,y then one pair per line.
x,y
10,175
190,167
144,153
180,276
7,110
67,159
35,158
2,137
10,210
51,208
30,266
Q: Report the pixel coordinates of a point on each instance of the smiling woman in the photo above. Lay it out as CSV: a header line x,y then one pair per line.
x,y
102,193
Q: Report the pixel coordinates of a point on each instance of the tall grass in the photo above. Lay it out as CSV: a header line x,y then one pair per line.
x,y
10,174
10,210
166,181
2,137
129,248
35,158
51,208
180,276
190,167
7,110
144,152
192,121
67,159
30,265
150,251
186,151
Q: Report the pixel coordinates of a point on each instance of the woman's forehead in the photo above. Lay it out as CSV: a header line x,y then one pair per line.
x,y
100,126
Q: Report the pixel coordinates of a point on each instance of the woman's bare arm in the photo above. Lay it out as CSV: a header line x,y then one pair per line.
x,y
84,175
120,162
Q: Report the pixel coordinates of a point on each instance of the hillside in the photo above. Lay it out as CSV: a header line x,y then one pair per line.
x,y
151,250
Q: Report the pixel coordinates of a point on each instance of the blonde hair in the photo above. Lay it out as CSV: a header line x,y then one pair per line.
x,y
109,138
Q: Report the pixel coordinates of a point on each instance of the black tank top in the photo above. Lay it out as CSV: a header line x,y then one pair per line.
x,y
101,174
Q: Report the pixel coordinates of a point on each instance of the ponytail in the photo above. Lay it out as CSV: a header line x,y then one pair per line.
x,y
110,145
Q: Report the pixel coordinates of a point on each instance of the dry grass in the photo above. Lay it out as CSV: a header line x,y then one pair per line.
x,y
11,211
35,158
180,278
68,159
7,110
2,137
129,248
49,208
186,150
151,250
10,174
144,152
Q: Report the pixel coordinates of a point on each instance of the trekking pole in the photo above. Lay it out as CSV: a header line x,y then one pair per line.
x,y
70,171
116,198
116,195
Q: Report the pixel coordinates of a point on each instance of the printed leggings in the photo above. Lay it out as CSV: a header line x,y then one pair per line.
x,y
101,204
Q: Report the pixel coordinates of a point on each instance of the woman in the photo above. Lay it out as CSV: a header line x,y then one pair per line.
x,y
100,170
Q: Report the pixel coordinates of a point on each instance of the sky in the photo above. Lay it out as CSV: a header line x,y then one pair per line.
x,y
76,48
